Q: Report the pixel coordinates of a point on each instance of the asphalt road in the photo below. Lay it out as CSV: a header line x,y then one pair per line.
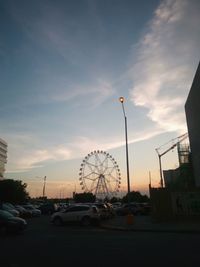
x,y
43,244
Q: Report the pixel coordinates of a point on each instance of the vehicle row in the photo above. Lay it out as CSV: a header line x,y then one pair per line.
x,y
12,217
24,211
11,223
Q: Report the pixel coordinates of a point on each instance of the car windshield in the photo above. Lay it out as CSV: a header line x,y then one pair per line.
x,y
5,214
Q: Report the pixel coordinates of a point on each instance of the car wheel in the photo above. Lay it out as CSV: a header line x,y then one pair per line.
x,y
85,221
58,221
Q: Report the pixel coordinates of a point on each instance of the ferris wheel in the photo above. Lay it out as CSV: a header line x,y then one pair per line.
x,y
99,174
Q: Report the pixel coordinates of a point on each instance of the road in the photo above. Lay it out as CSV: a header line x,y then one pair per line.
x,y
43,244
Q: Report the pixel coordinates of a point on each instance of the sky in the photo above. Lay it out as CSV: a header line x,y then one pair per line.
x,y
63,67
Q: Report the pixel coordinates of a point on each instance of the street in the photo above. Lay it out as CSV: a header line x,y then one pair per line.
x,y
43,244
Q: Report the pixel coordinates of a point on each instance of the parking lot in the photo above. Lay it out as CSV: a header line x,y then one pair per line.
x,y
44,244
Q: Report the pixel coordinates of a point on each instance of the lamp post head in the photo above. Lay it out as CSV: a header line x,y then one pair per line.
x,y
121,99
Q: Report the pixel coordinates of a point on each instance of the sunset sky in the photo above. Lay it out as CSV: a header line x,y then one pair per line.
x,y
63,66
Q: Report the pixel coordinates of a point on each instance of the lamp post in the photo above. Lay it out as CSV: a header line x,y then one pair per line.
x,y
121,99
44,186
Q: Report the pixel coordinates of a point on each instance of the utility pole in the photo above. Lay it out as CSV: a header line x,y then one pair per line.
x,y
44,186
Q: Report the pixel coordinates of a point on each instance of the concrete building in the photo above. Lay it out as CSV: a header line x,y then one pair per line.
x,y
171,177
3,157
192,110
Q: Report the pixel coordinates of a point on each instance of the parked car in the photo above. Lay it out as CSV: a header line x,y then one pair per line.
x,y
62,206
35,212
10,208
145,208
133,208
10,223
48,208
110,209
24,213
103,210
84,214
116,205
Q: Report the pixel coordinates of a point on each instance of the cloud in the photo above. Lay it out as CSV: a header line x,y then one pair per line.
x,y
22,158
167,56
97,92
35,158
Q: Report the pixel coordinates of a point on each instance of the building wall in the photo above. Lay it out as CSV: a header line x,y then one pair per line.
x,y
168,205
171,177
3,157
192,110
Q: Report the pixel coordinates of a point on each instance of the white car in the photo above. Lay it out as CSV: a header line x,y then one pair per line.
x,y
85,214
9,207
35,212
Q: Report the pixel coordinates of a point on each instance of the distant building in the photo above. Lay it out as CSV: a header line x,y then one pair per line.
x,y
192,110
3,157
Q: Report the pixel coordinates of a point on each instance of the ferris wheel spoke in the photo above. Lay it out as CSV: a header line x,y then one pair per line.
x,y
90,168
89,174
93,186
112,169
105,167
112,185
109,185
114,178
109,180
90,165
106,163
110,172
91,179
98,159
98,163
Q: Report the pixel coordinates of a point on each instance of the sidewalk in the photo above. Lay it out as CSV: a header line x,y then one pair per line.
x,y
146,224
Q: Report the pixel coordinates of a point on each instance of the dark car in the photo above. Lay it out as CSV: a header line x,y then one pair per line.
x,y
10,223
48,208
133,208
145,208
23,212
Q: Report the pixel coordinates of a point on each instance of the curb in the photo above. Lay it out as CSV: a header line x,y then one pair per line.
x,y
150,230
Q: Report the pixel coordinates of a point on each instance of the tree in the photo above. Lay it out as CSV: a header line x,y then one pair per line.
x,y
84,197
13,191
135,196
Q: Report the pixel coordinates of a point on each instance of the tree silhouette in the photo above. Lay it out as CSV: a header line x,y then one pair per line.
x,y
84,197
13,191
135,196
